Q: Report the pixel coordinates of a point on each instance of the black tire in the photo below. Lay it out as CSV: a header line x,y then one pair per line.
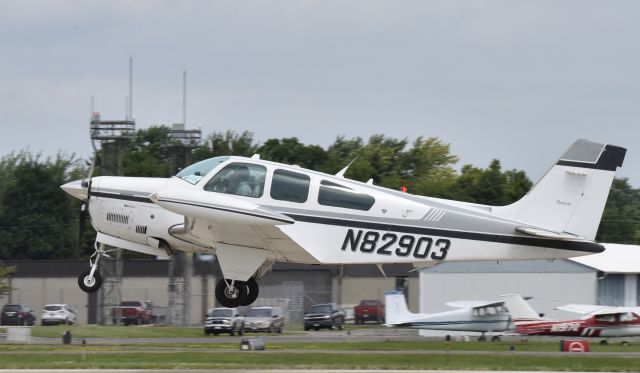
x,y
270,328
215,333
252,292
482,338
316,328
206,332
604,342
232,332
306,328
87,284
231,299
495,338
280,329
241,332
624,343
341,325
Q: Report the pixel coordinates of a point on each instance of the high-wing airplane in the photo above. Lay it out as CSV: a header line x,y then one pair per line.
x,y
252,213
600,321
470,316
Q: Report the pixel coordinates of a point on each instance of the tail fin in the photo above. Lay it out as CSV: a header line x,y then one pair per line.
x,y
396,311
519,309
571,196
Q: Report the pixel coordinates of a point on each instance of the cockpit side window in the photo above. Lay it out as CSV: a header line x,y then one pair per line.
x,y
290,186
240,179
336,195
194,173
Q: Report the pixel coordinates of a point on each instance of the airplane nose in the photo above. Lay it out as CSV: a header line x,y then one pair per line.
x,y
76,189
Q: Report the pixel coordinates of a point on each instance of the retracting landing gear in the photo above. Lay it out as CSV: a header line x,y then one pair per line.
x,y
90,281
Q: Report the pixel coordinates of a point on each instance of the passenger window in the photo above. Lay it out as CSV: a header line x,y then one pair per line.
x,y
290,186
332,194
241,179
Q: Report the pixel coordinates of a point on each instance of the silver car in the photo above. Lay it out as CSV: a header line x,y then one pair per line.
x,y
58,314
220,320
264,319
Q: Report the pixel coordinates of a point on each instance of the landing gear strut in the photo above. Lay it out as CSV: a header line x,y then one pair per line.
x,y
234,293
90,281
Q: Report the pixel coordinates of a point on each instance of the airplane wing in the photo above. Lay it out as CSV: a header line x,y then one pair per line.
x,y
584,309
589,310
474,304
220,220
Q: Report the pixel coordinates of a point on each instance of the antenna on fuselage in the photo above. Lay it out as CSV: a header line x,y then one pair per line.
x,y
342,172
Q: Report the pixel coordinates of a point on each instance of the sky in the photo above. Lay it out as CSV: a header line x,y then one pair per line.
x,y
517,81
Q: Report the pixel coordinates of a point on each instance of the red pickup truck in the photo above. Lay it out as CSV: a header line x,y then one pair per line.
x,y
133,312
369,310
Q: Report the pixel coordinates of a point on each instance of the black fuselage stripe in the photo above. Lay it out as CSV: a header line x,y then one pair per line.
x,y
585,246
125,197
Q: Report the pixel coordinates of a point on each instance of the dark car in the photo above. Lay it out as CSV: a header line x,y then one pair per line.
x,y
17,314
326,315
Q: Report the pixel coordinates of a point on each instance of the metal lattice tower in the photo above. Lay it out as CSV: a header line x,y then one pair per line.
x,y
113,137
181,263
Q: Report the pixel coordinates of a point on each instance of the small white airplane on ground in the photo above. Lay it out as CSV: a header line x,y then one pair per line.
x,y
252,213
471,316
596,321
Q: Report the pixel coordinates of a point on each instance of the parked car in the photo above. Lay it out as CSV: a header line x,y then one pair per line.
x,y
58,314
369,310
326,315
133,312
263,319
17,314
226,320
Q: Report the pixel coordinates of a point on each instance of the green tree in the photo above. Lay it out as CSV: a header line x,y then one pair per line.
x,y
5,272
228,143
149,153
621,218
291,151
37,220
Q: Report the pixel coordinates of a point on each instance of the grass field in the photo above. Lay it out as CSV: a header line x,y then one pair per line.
x,y
350,354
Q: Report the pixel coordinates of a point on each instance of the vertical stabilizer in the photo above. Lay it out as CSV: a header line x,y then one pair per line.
x,y
571,196
519,309
396,310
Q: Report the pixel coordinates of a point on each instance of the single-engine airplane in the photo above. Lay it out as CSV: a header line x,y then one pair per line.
x,y
470,316
252,213
600,321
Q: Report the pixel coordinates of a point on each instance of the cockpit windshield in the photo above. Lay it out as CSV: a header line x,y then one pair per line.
x,y
194,173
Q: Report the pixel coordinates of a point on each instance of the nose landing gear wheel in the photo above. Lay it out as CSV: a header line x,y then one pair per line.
x,y
231,296
88,283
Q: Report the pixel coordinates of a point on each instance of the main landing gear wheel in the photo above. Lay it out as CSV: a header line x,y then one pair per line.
x,y
88,283
252,292
231,294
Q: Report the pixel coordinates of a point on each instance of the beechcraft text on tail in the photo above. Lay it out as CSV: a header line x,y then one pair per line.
x,y
252,213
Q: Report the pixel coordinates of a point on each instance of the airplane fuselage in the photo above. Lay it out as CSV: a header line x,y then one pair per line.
x,y
377,226
589,327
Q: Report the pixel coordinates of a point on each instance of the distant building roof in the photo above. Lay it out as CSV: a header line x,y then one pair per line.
x,y
615,259
509,266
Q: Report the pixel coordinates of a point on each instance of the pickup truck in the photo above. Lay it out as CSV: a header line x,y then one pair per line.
x,y
133,312
369,310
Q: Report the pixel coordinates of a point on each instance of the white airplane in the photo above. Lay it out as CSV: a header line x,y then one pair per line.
x,y
471,316
252,213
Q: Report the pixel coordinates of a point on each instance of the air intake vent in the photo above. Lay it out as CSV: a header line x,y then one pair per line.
x,y
118,218
142,229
